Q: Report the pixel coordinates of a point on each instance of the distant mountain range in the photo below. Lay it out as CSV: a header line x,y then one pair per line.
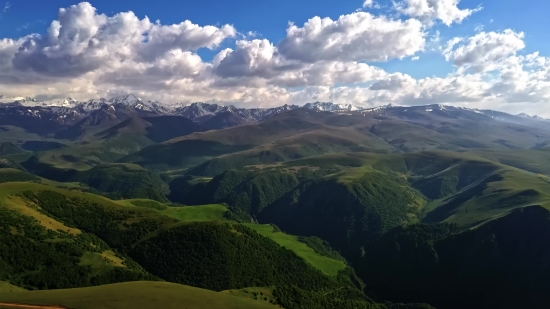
x,y
51,117
194,110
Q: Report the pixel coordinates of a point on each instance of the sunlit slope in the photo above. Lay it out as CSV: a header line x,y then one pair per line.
x,y
136,295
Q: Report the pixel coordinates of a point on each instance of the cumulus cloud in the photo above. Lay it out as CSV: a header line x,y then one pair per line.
x,y
82,41
446,11
393,82
86,54
368,3
185,36
359,36
484,51
250,58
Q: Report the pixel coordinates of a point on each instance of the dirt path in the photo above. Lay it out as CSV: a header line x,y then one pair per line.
x,y
26,306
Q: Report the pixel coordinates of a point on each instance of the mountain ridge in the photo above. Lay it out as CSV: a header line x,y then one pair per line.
x,y
199,109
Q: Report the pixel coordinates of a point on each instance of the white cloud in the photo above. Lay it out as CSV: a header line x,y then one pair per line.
x,y
7,6
82,41
359,36
85,54
393,82
484,51
446,11
368,3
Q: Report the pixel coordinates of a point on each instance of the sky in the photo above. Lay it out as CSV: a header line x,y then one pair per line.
x,y
493,54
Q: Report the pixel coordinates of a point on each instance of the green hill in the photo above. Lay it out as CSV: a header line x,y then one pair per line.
x,y
501,264
327,265
304,133
446,207
8,148
364,203
135,295
11,175
197,213
115,180
79,239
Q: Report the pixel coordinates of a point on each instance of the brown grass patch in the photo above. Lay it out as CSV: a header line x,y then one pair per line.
x,y
113,259
29,209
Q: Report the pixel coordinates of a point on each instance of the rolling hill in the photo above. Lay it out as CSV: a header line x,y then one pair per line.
x,y
302,133
314,209
141,294
98,241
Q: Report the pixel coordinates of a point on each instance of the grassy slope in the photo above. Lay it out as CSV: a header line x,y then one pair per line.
x,y
216,212
532,160
197,213
188,213
458,183
185,213
327,265
492,198
13,188
302,133
11,174
264,294
99,262
135,295
7,287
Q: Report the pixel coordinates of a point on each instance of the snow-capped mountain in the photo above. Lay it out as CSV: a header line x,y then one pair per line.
x,y
133,102
21,101
92,105
330,107
68,110
199,110
67,102
524,115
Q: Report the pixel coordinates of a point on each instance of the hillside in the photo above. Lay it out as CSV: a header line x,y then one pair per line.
x,y
501,264
303,133
117,181
98,241
135,294
157,129
222,121
314,209
199,147
9,148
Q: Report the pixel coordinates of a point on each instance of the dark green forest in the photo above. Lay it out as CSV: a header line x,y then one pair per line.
x,y
211,255
115,181
36,258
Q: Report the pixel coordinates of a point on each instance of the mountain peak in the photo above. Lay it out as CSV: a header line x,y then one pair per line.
x,y
128,98
524,115
330,107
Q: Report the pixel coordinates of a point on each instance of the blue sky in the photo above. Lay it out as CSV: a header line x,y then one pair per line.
x,y
270,21
271,18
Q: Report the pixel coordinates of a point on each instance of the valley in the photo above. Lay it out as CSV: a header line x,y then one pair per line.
x,y
320,206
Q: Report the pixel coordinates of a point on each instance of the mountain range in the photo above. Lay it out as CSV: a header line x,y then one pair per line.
x,y
62,113
317,206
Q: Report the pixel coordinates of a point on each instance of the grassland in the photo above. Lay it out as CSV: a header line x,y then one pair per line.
x,y
210,212
197,213
491,198
327,265
216,212
264,294
7,190
143,295
7,287
532,160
